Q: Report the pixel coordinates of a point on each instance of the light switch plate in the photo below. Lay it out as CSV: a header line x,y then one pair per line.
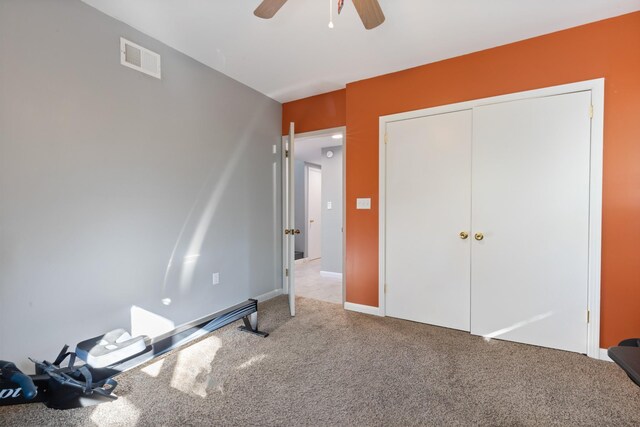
x,y
329,206
364,203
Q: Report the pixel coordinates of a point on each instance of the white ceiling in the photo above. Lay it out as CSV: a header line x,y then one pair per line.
x,y
295,54
309,149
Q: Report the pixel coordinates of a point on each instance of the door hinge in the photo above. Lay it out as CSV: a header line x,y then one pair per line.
x,y
591,111
286,153
588,315
286,272
386,137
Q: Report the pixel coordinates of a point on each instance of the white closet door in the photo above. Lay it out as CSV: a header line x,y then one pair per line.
x,y
428,200
531,202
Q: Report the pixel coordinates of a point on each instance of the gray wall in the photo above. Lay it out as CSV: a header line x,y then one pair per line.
x,y
299,182
332,218
118,189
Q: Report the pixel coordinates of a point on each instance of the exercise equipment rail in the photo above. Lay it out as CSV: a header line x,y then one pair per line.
x,y
71,386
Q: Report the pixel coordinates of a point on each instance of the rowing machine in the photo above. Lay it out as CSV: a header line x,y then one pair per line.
x,y
105,356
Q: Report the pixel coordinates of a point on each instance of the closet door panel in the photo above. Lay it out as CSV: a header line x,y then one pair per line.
x,y
530,175
428,203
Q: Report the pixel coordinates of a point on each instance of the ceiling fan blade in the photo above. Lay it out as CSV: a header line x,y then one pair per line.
x,y
370,13
268,8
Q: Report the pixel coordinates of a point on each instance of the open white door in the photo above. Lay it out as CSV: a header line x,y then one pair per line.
x,y
288,197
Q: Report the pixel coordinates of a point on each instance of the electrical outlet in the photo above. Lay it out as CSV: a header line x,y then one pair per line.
x,y
216,278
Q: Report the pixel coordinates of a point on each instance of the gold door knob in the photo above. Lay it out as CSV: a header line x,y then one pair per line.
x,y
479,236
463,235
296,231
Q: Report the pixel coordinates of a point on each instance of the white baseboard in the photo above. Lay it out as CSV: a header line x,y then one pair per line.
x,y
269,295
331,274
366,309
604,355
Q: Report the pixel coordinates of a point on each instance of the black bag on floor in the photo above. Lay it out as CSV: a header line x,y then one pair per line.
x,y
73,386
58,387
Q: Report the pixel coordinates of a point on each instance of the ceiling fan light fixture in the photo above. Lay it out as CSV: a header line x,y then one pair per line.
x,y
268,8
370,11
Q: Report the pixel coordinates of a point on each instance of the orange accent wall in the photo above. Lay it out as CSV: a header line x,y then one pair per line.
x,y
609,48
324,111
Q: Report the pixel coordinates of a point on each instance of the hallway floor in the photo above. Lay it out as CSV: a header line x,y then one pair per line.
x,y
310,284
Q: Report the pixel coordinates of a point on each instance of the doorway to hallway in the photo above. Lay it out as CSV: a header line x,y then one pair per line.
x,y
318,182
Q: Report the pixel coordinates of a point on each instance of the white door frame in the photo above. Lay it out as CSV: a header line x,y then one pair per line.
x,y
596,87
322,132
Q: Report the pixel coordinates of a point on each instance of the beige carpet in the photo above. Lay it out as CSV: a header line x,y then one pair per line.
x,y
328,366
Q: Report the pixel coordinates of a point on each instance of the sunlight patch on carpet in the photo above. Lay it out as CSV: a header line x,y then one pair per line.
x,y
121,412
191,373
254,359
153,370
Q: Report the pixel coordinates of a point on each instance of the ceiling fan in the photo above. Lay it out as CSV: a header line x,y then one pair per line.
x,y
369,10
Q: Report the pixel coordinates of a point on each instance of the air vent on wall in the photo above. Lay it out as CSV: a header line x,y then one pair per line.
x,y
139,58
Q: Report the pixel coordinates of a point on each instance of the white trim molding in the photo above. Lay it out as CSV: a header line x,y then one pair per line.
x,y
595,217
271,294
596,87
604,356
366,309
331,274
